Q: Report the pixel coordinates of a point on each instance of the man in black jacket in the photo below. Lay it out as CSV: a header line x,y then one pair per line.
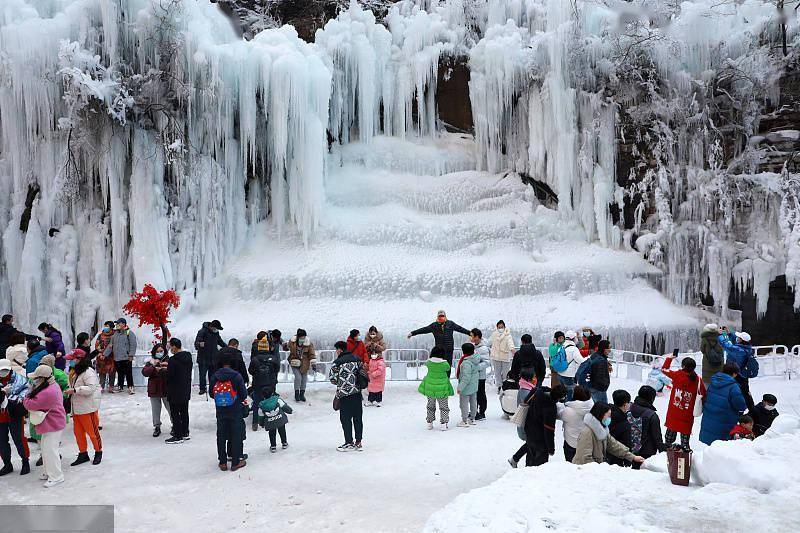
x,y
442,331
600,379
179,390
540,424
620,428
265,365
643,412
206,343
7,332
528,357
763,414
233,352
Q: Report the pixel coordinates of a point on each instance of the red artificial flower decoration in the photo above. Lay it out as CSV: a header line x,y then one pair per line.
x,y
152,307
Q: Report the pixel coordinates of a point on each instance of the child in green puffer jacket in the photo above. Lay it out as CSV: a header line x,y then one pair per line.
x,y
437,387
273,417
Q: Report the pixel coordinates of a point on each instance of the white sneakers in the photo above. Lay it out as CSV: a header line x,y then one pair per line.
x,y
53,482
463,424
345,448
443,427
430,425
472,422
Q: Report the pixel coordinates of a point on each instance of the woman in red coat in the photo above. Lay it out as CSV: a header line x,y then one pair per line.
x,y
680,412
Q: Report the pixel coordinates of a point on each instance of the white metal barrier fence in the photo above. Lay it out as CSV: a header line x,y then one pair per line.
x,y
408,364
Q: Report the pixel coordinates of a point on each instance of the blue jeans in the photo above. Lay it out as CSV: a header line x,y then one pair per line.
x,y
569,383
256,395
599,396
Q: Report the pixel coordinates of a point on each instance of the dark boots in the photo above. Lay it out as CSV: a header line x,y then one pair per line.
x,y
7,469
98,456
26,468
302,395
83,457
297,395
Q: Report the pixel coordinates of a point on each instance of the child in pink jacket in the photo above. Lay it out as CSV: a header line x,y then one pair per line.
x,y
46,397
377,379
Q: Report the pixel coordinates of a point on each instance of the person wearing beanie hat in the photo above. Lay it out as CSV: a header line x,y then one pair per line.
x,y
13,387
265,365
47,397
713,353
301,357
764,413
442,331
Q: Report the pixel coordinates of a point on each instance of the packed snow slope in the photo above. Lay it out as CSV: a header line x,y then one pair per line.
x,y
405,475
402,237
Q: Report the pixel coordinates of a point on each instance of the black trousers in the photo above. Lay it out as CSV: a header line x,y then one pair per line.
x,y
205,369
124,372
13,428
744,385
375,397
273,433
569,452
519,454
229,436
350,415
482,397
180,418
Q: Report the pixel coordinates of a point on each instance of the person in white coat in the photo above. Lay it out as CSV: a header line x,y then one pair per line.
x,y
17,353
502,351
574,360
571,415
84,391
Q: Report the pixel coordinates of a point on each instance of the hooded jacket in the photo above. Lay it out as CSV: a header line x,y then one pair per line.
x,y
358,349
762,418
600,378
34,359
540,424
232,375
468,374
713,353
375,344
736,353
306,354
436,383
442,335
724,403
237,362
179,377
485,362
574,359
528,357
122,345
595,443
502,346
377,375
571,415
652,441
273,412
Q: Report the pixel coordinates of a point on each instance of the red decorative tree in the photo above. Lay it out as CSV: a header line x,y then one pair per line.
x,y
153,307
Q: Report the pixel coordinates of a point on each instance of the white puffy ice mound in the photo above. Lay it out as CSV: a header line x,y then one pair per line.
x,y
748,486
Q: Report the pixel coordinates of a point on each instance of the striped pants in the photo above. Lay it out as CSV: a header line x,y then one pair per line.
x,y
670,436
87,424
444,410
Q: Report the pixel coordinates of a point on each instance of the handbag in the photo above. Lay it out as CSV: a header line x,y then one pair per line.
x,y
295,363
698,403
518,418
337,403
37,417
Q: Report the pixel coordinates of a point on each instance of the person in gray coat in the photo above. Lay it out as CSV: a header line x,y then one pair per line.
x,y
123,348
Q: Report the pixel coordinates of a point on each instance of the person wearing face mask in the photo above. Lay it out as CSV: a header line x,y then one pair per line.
x,y
45,396
374,341
377,379
595,442
13,387
301,357
84,391
764,413
207,343
502,351
375,346
442,331
104,364
155,370
123,348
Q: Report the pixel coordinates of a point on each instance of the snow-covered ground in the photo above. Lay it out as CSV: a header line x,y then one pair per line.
x,y
404,476
407,231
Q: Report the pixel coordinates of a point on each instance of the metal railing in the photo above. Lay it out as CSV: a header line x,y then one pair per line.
x,y
408,364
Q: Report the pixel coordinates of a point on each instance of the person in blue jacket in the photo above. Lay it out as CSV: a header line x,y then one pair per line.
x,y
35,353
738,350
723,404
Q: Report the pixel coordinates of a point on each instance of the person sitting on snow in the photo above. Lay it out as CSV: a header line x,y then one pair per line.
x,y
744,429
763,413
656,378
